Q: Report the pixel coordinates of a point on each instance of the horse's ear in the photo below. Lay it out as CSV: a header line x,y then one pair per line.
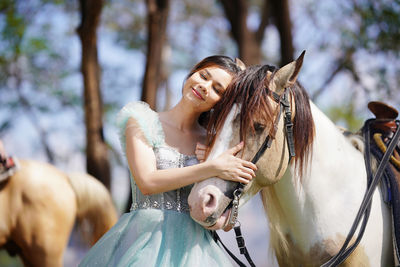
x,y
240,64
287,75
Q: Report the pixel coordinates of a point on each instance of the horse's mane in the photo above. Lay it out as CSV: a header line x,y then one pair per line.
x,y
250,90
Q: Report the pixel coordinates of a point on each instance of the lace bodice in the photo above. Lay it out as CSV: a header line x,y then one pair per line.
x,y
166,158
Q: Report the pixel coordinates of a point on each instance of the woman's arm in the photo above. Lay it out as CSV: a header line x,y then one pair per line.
x,y
142,163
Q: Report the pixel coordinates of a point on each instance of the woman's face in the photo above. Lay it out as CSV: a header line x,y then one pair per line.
x,y
206,87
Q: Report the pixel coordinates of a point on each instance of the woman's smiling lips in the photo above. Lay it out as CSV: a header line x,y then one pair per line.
x,y
197,94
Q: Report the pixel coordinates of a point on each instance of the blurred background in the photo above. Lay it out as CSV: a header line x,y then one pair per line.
x,y
67,67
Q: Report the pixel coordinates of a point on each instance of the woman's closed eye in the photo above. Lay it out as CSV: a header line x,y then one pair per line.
x,y
217,89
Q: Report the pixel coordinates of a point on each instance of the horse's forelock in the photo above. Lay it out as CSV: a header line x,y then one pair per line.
x,y
255,106
250,90
255,92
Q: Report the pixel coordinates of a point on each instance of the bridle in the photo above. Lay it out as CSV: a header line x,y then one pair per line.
x,y
284,106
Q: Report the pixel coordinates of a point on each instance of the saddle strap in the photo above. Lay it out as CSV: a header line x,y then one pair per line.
x,y
365,207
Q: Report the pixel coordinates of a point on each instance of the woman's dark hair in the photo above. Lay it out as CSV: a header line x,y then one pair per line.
x,y
223,62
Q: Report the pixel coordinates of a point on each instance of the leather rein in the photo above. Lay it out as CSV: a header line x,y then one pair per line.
x,y
284,106
372,183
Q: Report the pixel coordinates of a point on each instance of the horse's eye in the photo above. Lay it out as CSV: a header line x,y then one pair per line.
x,y
259,127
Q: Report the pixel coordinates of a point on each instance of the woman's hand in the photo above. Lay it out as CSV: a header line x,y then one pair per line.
x,y
234,169
200,152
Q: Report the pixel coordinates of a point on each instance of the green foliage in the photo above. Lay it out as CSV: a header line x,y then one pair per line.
x,y
8,261
34,65
13,30
379,25
358,47
126,19
346,116
376,35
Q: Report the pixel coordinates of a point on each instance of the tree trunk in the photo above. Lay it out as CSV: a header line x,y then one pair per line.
x,y
157,15
249,42
280,11
97,163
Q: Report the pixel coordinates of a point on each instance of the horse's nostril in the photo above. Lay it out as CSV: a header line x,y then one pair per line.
x,y
210,201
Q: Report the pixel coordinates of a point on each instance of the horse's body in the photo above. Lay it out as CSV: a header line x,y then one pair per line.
x,y
310,209
38,208
309,220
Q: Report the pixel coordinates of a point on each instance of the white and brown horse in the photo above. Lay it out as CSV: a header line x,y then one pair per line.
x,y
38,208
312,201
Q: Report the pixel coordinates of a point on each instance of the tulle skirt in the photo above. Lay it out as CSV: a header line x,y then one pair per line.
x,y
152,237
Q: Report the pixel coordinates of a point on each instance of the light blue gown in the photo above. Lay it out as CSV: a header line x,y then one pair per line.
x,y
158,231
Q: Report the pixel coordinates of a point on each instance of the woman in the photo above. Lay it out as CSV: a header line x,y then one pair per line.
x,y
160,149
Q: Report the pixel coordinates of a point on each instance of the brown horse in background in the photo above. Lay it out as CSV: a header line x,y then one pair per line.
x,y
38,208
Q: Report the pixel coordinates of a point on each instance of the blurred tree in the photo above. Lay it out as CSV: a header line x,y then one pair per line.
x,y
157,15
357,43
96,149
31,70
282,19
249,41
366,46
377,34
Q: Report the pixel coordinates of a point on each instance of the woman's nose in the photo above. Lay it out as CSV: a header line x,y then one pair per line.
x,y
205,87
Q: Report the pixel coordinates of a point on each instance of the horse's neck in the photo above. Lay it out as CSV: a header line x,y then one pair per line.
x,y
334,179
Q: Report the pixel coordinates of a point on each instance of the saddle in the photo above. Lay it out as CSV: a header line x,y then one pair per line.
x,y
382,129
8,166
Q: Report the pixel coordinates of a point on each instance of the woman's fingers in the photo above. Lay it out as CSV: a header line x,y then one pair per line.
x,y
242,180
200,152
200,156
246,176
249,164
234,150
233,168
200,146
248,171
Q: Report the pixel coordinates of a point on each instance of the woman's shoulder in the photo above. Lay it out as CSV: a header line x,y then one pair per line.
x,y
146,119
135,107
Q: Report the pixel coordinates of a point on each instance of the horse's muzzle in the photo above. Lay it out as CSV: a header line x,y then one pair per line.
x,y
208,207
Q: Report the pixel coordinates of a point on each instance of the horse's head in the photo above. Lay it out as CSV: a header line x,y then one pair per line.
x,y
251,110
